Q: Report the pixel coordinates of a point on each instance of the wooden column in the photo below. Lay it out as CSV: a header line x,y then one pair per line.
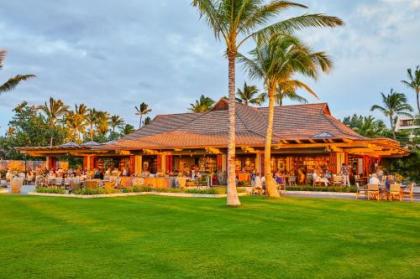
x,y
163,164
340,160
258,163
224,162
138,165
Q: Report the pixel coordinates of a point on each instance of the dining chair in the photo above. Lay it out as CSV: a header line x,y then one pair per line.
x,y
409,191
395,191
361,190
373,191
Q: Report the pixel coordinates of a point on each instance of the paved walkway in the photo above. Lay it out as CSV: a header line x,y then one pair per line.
x,y
335,195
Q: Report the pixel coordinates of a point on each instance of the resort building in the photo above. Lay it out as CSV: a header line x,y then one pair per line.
x,y
305,137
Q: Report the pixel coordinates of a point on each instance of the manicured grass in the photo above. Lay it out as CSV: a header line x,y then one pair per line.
x,y
163,237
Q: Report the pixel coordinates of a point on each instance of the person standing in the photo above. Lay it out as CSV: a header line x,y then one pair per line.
x,y
345,172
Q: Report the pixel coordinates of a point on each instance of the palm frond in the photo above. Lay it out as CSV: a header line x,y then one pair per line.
x,y
13,82
2,56
293,24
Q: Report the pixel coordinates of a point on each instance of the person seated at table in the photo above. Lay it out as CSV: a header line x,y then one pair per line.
x,y
257,183
318,179
390,179
328,174
278,178
97,174
373,180
108,171
125,172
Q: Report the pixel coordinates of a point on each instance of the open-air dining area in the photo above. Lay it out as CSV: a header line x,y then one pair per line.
x,y
180,153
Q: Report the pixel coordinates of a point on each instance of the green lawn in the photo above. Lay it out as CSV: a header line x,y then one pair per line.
x,y
162,237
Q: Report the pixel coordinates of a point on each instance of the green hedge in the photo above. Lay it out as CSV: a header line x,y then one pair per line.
x,y
50,190
340,189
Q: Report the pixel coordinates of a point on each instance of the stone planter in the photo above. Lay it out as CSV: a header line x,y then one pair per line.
x,y
16,185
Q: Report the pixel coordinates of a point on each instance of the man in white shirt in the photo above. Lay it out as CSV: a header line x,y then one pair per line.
x,y
373,180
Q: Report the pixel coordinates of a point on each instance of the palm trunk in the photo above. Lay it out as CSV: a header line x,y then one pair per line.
x,y
418,100
391,121
232,194
91,132
141,116
269,182
51,141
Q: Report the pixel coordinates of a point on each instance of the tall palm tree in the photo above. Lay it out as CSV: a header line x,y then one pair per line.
x,y
14,81
202,105
53,110
91,119
276,62
394,104
115,122
235,22
414,83
291,94
249,95
142,110
76,121
102,122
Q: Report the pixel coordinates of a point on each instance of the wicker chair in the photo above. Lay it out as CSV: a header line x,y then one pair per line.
x,y
409,192
109,187
395,191
373,192
361,190
91,184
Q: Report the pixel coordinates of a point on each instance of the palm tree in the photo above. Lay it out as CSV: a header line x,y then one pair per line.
x,y
115,122
127,129
249,95
414,83
141,110
394,104
275,62
366,125
53,110
283,93
102,122
203,104
235,22
147,120
14,81
91,119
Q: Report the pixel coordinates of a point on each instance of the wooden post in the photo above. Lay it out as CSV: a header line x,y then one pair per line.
x,y
163,164
224,162
258,162
138,165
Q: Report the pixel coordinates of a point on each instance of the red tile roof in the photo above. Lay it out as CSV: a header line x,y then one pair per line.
x,y
191,130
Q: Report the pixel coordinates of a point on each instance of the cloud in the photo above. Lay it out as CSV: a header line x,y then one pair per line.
x,y
113,55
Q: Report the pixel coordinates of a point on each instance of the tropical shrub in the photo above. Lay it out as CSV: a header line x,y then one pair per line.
x,y
338,189
86,191
50,190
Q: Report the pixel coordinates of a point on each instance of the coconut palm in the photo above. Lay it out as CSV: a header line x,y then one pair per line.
x,y
127,129
249,95
14,81
76,122
115,122
414,83
276,62
202,105
53,111
235,22
367,126
394,104
102,122
291,94
142,110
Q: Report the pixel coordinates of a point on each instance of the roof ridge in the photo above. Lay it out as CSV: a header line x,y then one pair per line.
x,y
246,125
294,105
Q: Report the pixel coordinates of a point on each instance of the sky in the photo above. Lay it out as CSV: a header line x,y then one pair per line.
x,y
112,55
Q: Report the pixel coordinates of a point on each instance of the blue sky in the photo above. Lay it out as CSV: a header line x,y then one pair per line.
x,y
115,54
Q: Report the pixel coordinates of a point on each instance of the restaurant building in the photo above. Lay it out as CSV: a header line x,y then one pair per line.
x,y
305,137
